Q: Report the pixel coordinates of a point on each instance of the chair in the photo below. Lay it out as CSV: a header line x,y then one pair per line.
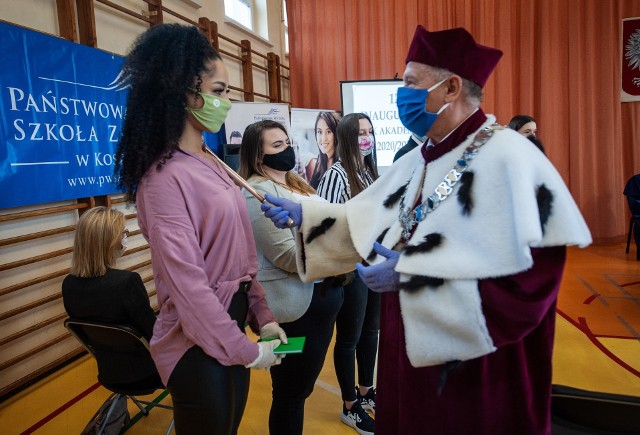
x,y
116,347
231,155
632,192
575,411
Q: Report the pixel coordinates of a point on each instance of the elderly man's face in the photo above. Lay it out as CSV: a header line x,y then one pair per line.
x,y
419,76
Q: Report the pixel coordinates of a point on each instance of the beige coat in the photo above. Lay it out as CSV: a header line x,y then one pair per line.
x,y
287,296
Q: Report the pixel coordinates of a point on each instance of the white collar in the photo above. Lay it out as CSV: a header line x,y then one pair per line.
x,y
430,142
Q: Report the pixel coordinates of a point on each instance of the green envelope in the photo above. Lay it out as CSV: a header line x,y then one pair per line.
x,y
295,345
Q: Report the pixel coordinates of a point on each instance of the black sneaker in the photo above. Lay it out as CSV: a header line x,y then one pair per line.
x,y
357,418
368,401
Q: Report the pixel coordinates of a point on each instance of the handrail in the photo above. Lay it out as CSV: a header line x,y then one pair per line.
x,y
44,346
31,305
257,53
126,11
41,212
37,235
262,67
34,281
182,17
37,258
226,38
32,328
229,54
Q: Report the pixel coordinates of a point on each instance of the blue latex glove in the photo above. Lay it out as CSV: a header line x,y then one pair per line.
x,y
381,277
281,210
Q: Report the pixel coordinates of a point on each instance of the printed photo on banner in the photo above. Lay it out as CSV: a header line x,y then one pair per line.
x,y
313,137
377,99
240,117
61,118
243,114
630,60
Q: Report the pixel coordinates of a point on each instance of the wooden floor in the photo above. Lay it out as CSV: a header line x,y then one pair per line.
x,y
597,348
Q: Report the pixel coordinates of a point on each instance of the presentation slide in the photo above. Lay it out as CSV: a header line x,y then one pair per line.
x,y
377,98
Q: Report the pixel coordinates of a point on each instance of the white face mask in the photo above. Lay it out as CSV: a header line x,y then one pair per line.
x,y
124,242
366,144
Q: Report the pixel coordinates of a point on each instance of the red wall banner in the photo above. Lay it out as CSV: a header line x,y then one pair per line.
x,y
630,60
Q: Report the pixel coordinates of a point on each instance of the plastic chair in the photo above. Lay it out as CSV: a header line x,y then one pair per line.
x,y
575,411
115,347
231,153
632,192
634,224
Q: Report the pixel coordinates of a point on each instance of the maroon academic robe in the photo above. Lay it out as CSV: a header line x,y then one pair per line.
x,y
505,392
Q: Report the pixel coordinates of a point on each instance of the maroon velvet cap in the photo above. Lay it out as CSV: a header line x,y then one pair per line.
x,y
454,50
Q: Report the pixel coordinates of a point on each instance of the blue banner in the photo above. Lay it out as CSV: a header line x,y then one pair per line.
x,y
61,109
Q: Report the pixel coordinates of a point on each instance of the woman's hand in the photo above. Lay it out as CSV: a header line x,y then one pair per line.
x,y
381,277
273,330
266,357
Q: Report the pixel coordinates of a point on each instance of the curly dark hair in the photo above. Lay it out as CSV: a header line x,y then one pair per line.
x,y
163,64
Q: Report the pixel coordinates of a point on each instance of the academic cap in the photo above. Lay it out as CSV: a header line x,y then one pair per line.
x,y
454,50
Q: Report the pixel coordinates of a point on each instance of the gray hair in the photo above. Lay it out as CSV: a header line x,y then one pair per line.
x,y
471,92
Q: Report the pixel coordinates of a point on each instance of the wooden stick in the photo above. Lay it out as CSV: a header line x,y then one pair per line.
x,y
242,183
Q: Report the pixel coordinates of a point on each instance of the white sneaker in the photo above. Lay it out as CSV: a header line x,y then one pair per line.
x,y
357,418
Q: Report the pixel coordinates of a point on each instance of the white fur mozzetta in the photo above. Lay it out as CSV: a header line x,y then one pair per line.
x,y
495,239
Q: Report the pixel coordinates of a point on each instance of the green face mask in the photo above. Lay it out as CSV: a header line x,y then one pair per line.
x,y
213,112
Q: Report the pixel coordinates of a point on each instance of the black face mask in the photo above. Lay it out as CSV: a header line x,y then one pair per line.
x,y
282,161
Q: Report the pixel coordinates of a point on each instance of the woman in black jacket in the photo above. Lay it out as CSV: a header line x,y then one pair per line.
x,y
96,291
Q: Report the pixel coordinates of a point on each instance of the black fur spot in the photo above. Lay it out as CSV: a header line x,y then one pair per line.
x,y
464,193
430,241
418,281
320,229
545,204
395,196
449,367
303,257
373,253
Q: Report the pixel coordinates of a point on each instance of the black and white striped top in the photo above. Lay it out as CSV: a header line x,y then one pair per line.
x,y
334,185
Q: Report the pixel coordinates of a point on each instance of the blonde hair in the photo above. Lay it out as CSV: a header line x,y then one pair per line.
x,y
98,242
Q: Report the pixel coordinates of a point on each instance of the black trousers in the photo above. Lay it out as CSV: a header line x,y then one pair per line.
x,y
357,328
294,379
209,398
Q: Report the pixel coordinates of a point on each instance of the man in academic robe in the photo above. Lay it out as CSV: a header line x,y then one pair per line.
x,y
465,236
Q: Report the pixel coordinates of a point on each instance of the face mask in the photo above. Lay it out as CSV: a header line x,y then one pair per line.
x,y
212,113
411,108
282,161
366,144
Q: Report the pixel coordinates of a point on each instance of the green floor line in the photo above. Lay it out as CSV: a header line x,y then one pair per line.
x,y
139,415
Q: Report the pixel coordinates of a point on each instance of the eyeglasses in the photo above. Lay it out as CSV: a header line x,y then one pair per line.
x,y
125,233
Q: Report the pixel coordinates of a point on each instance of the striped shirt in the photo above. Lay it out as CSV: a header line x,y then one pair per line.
x,y
334,185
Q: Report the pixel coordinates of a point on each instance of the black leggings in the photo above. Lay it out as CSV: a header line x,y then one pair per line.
x,y
294,379
209,398
357,328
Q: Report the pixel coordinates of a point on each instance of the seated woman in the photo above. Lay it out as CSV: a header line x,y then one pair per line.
x,y
96,291
302,309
